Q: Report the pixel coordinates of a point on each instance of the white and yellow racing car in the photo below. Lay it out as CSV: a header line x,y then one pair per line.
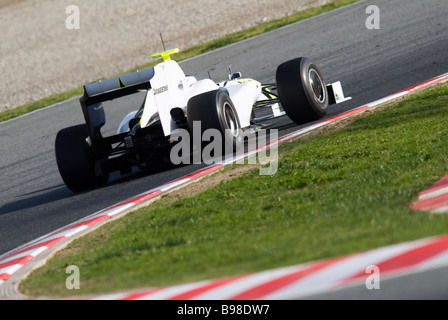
x,y
174,101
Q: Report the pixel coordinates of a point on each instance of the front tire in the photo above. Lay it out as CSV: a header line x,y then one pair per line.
x,y
76,161
302,90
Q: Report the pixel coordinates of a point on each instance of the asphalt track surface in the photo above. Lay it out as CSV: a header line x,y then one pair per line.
x,y
410,47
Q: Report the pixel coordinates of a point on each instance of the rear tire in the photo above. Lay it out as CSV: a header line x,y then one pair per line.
x,y
302,90
76,161
215,110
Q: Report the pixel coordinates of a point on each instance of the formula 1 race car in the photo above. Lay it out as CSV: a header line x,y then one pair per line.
x,y
174,101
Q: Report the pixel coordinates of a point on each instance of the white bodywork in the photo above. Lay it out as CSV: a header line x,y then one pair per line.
x,y
171,88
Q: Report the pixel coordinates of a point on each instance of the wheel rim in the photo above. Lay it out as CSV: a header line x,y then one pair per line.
x,y
231,120
317,85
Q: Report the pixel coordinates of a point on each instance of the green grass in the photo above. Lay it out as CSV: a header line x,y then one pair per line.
x,y
186,54
334,194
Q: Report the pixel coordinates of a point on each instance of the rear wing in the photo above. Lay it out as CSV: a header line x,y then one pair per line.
x,y
98,92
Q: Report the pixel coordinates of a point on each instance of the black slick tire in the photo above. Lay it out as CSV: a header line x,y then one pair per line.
x,y
302,90
215,110
75,160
